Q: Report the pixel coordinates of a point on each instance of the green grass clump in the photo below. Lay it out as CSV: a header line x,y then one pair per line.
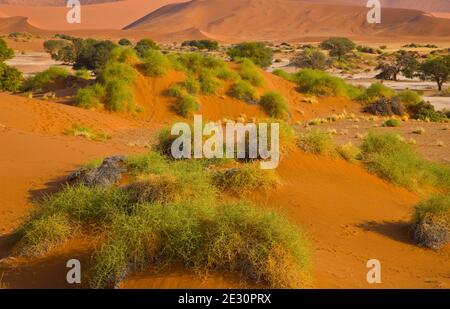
x,y
146,163
191,85
375,92
209,84
258,243
408,97
43,234
431,221
227,74
392,123
87,132
274,104
83,74
186,105
155,63
90,97
285,75
244,91
245,179
318,142
250,72
388,156
43,80
348,152
320,83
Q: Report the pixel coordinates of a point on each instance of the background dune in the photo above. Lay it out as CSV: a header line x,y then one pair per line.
x,y
427,6
284,20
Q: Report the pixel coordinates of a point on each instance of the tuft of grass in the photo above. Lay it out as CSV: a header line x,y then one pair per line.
x,y
87,132
431,221
155,63
190,85
375,92
209,84
258,243
408,97
42,80
186,105
146,163
318,142
43,234
90,97
390,157
274,104
245,179
392,122
419,131
348,152
250,73
320,83
244,91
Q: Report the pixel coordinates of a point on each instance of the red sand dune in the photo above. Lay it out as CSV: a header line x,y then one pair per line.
x,y
50,2
284,20
113,15
423,5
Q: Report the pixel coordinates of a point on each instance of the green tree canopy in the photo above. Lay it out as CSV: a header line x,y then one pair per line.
x,y
257,52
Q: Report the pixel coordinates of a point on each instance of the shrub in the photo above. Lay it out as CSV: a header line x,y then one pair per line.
x,y
10,78
227,74
258,53
208,83
195,63
245,179
386,107
320,83
202,44
375,92
41,81
242,90
5,52
318,142
176,91
310,58
124,55
388,156
91,96
155,63
146,163
392,122
87,132
408,97
348,152
119,96
93,54
83,73
274,104
186,105
191,85
250,73
125,42
338,47
425,111
145,45
258,243
431,222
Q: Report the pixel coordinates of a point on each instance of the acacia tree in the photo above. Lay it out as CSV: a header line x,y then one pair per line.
x,y
257,52
399,62
338,47
436,69
5,52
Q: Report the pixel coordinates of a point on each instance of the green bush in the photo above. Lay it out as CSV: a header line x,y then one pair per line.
x,y
250,73
318,142
242,90
425,111
91,96
375,92
5,52
244,179
202,44
285,75
145,45
431,221
10,78
348,152
186,105
274,104
258,243
155,63
227,74
190,85
41,81
388,156
392,122
125,55
320,83
209,85
257,52
408,97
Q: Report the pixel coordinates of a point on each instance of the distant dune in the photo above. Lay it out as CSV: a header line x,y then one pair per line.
x,y
423,5
50,2
111,15
284,20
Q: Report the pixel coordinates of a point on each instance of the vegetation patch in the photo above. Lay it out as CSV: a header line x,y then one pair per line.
x,y
274,104
244,91
431,222
87,132
43,80
318,142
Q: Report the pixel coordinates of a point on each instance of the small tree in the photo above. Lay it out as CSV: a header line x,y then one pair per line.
x,y
257,52
10,78
202,44
338,47
93,54
436,69
125,42
399,62
5,52
53,47
145,45
310,58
